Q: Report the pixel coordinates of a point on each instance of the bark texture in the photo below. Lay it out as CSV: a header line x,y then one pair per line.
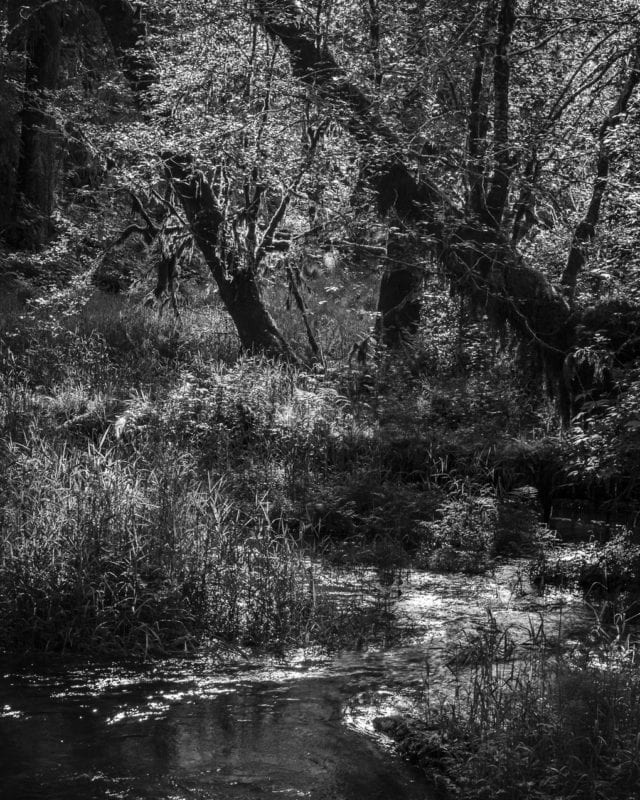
x,y
37,34
239,290
127,33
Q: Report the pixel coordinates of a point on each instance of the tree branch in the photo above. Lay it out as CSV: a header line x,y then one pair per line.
x,y
586,229
314,64
293,274
267,238
201,208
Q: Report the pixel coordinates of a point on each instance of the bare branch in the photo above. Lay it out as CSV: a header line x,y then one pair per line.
x,y
272,227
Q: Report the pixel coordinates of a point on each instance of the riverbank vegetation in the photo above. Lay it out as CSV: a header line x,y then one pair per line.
x,y
289,288
158,489
523,716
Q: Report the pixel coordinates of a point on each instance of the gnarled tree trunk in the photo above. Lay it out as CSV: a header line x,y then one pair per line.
x,y
237,283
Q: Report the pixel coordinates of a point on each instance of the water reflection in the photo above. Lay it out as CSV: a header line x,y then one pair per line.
x,y
250,738
191,730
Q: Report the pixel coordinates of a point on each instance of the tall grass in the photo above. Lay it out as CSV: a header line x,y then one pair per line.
x,y
103,555
527,719
142,510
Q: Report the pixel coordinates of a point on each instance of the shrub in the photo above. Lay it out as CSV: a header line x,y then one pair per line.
x,y
463,538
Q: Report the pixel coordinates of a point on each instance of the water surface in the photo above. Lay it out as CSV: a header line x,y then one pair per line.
x,y
259,728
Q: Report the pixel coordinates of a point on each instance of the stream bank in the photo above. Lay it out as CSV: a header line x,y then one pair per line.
x,y
301,727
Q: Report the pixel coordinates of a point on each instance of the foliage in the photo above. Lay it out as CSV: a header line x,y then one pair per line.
x,y
523,717
163,492
607,573
604,448
462,538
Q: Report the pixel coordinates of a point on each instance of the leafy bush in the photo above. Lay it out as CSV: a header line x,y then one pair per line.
x,y
462,539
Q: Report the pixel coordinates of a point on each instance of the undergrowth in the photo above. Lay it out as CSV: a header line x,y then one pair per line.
x,y
153,497
158,488
526,718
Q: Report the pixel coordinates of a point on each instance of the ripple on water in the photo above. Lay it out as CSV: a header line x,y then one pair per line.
x,y
260,728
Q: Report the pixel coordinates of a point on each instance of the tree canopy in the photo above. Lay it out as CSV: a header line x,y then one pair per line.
x,y
494,139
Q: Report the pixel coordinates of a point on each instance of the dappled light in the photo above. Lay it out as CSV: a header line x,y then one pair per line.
x,y
319,399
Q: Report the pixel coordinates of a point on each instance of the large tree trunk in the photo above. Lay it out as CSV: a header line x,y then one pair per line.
x,y
499,189
237,284
11,77
400,298
38,34
127,33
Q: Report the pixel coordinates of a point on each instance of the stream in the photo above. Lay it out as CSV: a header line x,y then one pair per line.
x,y
254,729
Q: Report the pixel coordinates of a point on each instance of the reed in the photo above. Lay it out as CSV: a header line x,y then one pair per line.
x,y
106,556
527,718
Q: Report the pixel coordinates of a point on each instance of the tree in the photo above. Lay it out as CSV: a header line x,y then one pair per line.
x,y
233,268
472,128
469,239
33,138
36,35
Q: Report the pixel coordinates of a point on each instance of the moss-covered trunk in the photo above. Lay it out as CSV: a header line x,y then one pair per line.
x,y
400,296
237,283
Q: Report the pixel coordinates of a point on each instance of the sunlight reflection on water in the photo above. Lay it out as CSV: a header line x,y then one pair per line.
x,y
256,728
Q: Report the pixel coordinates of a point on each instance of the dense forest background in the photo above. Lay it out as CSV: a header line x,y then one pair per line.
x,y
487,150
355,278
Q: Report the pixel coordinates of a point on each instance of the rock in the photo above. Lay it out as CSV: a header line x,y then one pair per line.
x,y
390,725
